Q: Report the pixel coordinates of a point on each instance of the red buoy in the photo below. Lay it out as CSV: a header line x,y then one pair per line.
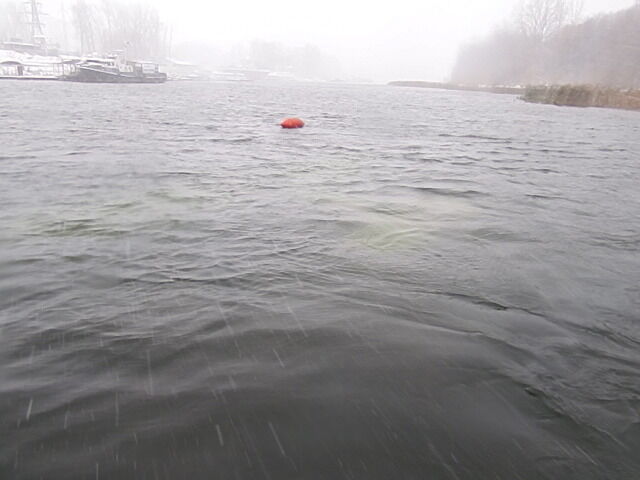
x,y
292,123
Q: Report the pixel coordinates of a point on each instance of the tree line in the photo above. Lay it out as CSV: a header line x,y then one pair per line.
x,y
113,25
13,21
96,27
549,42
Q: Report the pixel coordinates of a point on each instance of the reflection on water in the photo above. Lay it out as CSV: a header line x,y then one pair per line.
x,y
418,284
383,219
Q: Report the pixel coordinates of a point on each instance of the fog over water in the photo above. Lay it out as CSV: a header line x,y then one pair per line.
x,y
378,40
381,41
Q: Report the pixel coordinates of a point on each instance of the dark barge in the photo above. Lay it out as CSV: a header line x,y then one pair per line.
x,y
111,71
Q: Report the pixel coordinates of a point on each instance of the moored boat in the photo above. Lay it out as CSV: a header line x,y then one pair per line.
x,y
110,70
20,66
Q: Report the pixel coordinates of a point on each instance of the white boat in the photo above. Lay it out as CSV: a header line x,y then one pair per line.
x,y
23,66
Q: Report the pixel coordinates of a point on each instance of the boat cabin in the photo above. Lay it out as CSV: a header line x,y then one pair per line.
x,y
11,68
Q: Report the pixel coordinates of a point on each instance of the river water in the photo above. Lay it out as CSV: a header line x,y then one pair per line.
x,y
419,284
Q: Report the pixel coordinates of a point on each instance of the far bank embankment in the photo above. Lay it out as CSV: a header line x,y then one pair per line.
x,y
465,88
583,96
561,95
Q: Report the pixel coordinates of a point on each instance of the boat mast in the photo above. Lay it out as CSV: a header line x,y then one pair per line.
x,y
37,32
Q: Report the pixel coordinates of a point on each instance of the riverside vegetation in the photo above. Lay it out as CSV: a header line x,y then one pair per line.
x,y
564,58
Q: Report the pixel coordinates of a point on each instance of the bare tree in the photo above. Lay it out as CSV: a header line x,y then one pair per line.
x,y
541,19
13,24
111,26
574,11
83,20
604,50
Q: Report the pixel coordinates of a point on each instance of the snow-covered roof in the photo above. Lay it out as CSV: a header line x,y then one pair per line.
x,y
28,59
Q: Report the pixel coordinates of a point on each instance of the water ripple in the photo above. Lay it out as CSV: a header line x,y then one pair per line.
x,y
443,285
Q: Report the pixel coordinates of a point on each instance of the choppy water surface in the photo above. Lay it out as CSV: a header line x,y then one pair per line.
x,y
419,284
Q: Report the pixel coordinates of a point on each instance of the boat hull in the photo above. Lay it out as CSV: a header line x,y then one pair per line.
x,y
91,75
30,77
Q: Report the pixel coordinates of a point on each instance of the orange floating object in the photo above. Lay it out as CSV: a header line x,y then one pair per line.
x,y
292,123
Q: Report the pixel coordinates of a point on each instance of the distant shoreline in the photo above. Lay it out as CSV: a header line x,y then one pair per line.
x,y
559,95
466,88
584,96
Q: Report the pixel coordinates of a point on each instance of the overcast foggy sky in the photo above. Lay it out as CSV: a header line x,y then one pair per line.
x,y
380,40
383,40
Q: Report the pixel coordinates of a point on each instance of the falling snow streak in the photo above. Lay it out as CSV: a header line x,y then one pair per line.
x,y
277,439
28,414
149,374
